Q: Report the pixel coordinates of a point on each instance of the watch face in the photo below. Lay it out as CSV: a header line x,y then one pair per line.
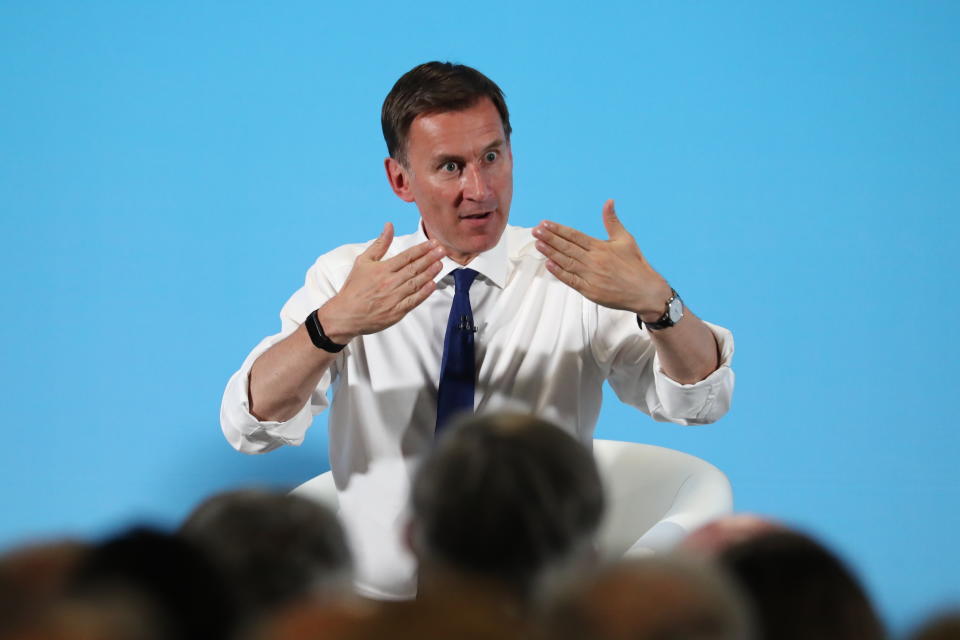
x,y
676,309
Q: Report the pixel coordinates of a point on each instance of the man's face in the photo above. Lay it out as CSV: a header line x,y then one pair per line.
x,y
459,171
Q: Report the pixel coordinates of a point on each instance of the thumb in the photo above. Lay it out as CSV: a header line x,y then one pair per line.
x,y
611,221
379,246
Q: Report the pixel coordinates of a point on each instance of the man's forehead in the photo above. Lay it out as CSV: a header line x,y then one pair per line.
x,y
472,129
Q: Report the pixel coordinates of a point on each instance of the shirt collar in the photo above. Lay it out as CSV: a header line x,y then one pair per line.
x,y
492,264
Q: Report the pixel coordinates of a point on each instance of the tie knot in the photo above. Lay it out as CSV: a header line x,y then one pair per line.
x,y
462,279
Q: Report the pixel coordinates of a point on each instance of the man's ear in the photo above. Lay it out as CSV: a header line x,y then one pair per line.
x,y
398,176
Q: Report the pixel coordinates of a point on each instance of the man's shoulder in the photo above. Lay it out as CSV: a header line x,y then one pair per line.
x,y
521,244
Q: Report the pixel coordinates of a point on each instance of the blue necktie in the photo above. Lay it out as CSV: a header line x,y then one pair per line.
x,y
457,369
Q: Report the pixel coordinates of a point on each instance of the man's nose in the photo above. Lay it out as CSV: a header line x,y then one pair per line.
x,y
476,186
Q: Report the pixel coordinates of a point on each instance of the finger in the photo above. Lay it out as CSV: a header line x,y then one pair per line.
x,y
378,248
412,284
611,221
416,298
562,245
402,259
555,255
567,277
422,263
570,234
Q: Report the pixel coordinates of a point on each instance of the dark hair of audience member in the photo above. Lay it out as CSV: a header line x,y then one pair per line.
x,y
274,548
653,598
507,499
800,590
943,626
166,573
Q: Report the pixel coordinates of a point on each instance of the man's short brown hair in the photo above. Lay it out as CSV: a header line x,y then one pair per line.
x,y
435,87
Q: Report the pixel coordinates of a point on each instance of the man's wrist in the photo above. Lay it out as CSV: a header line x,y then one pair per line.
x,y
332,327
654,313
672,315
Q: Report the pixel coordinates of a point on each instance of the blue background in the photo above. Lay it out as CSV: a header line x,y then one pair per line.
x,y
168,171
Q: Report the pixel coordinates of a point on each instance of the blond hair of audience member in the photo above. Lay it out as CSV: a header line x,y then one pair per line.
x,y
653,598
507,501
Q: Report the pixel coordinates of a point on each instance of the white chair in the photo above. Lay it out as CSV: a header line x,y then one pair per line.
x,y
655,496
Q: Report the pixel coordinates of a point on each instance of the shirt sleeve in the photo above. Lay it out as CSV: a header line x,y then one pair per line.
x,y
244,431
627,354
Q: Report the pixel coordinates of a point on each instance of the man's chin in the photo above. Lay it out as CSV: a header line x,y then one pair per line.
x,y
476,245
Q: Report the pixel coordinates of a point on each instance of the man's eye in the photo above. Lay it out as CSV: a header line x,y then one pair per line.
x,y
490,156
450,167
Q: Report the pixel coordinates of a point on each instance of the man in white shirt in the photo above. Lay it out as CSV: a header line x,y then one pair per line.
x,y
554,314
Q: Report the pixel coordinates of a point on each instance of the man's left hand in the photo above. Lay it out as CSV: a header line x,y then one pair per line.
x,y
611,272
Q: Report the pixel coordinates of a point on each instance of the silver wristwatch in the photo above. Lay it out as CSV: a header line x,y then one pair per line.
x,y
670,317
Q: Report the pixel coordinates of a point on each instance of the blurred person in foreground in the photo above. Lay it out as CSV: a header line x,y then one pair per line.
x,y
456,615
653,598
726,531
33,579
177,590
465,313
506,506
118,615
798,589
274,549
943,626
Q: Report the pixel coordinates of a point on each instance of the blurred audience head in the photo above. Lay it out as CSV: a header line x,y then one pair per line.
x,y
113,616
944,626
715,536
506,499
166,578
312,620
32,580
799,590
653,598
274,548
450,615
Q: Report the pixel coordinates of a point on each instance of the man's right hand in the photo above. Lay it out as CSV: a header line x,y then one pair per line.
x,y
378,293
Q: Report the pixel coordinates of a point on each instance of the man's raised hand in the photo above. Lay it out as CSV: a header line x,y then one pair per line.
x,y
611,272
378,293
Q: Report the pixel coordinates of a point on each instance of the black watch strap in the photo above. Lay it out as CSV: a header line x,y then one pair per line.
x,y
318,337
667,319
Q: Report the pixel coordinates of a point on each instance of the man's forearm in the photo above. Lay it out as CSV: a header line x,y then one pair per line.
x,y
377,294
284,376
688,350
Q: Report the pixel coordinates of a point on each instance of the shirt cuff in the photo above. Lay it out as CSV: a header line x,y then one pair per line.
x,y
701,402
243,430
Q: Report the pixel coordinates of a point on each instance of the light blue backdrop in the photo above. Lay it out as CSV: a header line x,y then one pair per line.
x,y
169,170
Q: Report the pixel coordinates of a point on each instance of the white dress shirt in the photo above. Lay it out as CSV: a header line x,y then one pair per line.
x,y
541,347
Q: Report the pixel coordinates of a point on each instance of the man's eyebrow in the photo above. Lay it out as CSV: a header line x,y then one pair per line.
x,y
493,145
444,158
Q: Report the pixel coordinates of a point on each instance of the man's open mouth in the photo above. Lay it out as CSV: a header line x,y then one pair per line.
x,y
476,216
